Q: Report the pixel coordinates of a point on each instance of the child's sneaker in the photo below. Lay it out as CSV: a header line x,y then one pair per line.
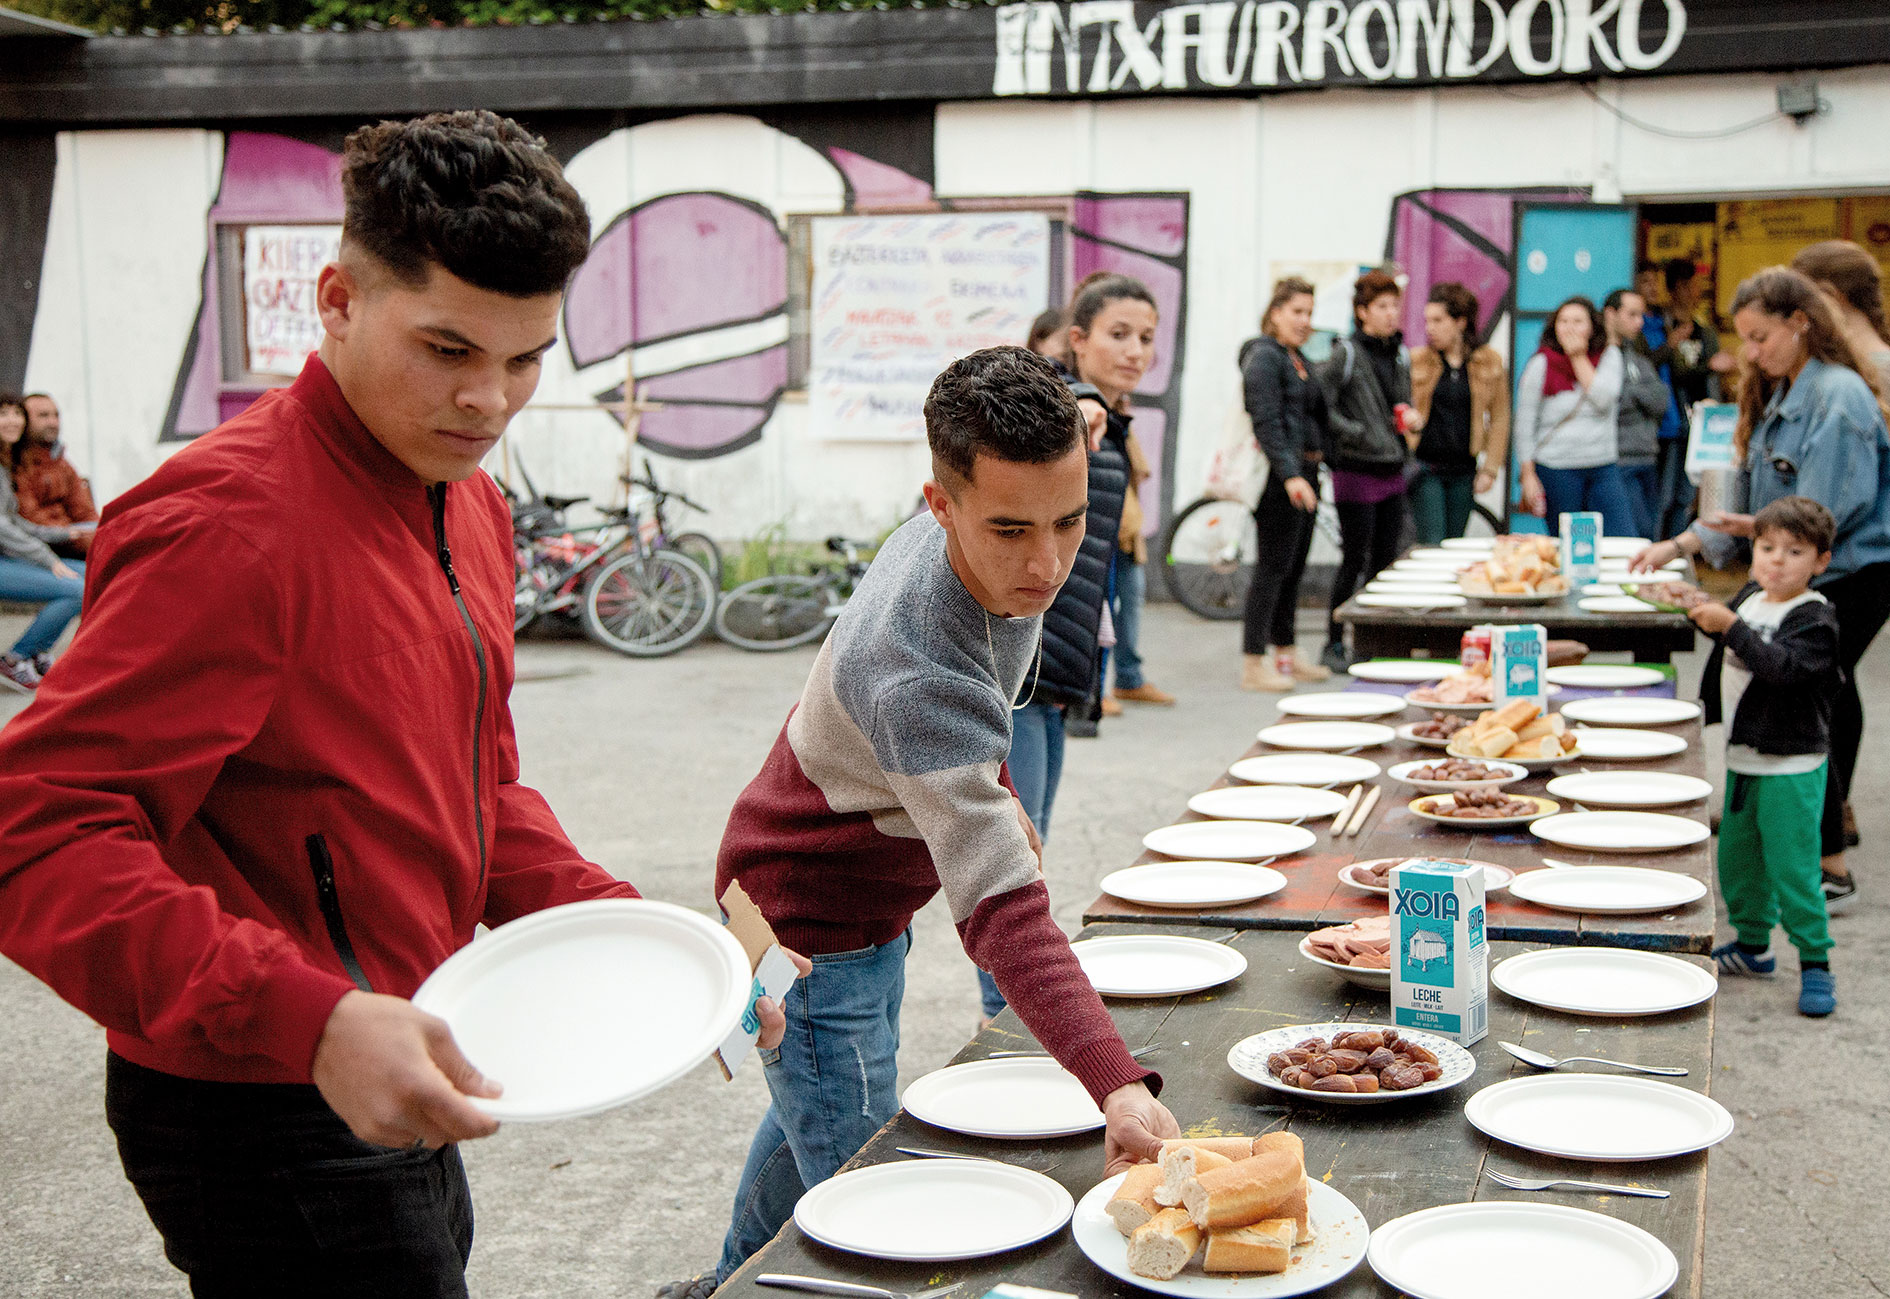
x,y
1734,959
1817,993
17,673
1839,892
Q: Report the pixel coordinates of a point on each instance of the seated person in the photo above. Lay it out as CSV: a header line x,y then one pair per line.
x,y
49,488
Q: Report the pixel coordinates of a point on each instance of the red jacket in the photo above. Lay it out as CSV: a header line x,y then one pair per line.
x,y
272,649
50,489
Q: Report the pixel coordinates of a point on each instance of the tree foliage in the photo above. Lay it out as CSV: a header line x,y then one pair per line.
x,y
228,15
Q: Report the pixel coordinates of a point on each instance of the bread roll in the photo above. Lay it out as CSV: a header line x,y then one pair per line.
x,y
1543,746
1162,1246
1243,1193
1184,1163
1228,1147
1286,1141
1134,1201
1263,1247
1296,1206
1490,744
1515,714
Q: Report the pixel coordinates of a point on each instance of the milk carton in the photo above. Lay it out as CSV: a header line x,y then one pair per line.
x,y
1440,963
1581,548
1519,664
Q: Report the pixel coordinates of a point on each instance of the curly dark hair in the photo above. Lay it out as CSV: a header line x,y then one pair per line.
x,y
470,191
1004,402
1461,305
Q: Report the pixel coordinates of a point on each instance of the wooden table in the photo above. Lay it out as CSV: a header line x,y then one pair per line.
x,y
1314,896
1652,637
1389,1159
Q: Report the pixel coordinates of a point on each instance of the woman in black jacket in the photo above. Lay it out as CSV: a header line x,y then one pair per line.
x,y
1289,421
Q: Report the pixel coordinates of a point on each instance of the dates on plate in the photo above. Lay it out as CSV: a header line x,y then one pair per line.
x,y
1356,1063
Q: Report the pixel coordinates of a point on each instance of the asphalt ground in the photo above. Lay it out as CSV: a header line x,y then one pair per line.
x,y
642,760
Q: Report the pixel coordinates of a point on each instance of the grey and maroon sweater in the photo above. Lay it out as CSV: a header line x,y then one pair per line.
x,y
887,783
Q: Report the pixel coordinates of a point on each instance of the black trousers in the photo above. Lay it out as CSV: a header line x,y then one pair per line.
x,y
1862,603
260,1189
1286,534
1369,536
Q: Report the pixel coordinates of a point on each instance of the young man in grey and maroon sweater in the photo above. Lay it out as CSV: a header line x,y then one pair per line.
x,y
887,784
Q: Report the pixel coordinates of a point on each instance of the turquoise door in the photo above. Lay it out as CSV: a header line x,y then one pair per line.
x,y
1562,249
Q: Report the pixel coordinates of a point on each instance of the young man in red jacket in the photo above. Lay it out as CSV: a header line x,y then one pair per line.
x,y
274,783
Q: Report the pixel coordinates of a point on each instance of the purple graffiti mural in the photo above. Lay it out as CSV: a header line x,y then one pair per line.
x,y
1462,235
710,410
266,179
1146,236
874,184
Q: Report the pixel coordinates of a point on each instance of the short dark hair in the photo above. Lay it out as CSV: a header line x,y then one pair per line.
x,y
1371,286
1460,303
1098,291
1613,301
1802,517
1644,266
1004,402
470,191
1597,332
10,454
1048,322
1678,270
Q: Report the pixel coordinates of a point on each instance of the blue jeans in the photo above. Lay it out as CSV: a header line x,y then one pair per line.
x,y
833,1082
1600,488
20,580
1036,767
1131,591
1643,492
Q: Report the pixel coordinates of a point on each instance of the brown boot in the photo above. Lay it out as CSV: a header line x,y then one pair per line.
x,y
1145,694
1257,672
1110,708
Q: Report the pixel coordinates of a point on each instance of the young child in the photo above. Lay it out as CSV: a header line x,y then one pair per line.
x,y
1771,677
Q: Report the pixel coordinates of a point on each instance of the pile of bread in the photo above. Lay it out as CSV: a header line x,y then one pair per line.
x,y
1518,565
1517,730
1470,686
1245,1197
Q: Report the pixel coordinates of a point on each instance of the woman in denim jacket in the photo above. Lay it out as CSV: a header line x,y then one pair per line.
x,y
1811,423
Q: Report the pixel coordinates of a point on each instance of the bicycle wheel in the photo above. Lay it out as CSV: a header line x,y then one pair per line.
x,y
775,613
1208,555
649,605
704,551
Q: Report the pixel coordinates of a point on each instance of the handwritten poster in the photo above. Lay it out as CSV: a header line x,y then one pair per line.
x,y
280,323
894,300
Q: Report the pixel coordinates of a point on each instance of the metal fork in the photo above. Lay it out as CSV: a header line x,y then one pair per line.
x,y
817,1285
1527,1184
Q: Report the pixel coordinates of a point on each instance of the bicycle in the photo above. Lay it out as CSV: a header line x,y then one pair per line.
x,y
1209,550
698,546
629,598
784,610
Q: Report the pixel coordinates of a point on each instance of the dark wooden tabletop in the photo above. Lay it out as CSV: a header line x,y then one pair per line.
x,y
1654,636
1390,1159
1315,897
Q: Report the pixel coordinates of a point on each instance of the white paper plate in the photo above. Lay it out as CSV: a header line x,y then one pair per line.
x,y
1338,704
1445,568
1415,577
1248,1058
1608,890
933,1210
1008,1099
1534,764
1605,676
1267,803
1381,586
558,1005
1453,544
1498,1250
1357,975
1631,710
1622,744
1340,1240
1614,604
1599,1116
1630,788
1604,981
1408,733
1228,840
1623,547
1191,884
1387,600
1621,831
1482,596
1303,769
1156,965
1512,772
1545,807
1436,555
1495,878
1469,709
1404,670
1604,588
1327,735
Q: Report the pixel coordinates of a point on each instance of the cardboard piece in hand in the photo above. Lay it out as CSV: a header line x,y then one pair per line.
x,y
773,970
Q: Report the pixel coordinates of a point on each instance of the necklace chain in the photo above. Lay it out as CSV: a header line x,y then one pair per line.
x,y
991,645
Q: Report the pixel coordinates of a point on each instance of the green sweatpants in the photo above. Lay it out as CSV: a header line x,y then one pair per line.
x,y
1769,868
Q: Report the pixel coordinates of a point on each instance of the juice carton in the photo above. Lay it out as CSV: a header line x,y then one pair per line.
x,y
1440,964
1519,664
1581,548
